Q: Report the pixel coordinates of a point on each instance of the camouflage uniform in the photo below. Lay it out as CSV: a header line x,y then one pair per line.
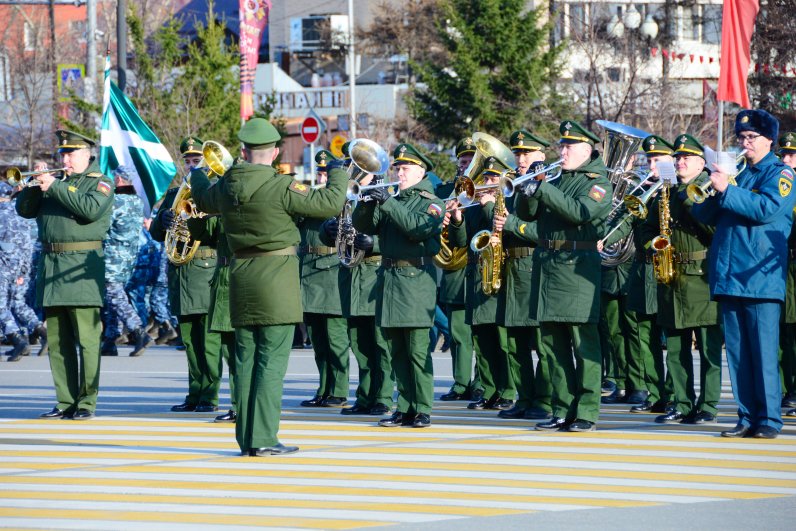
x,y
15,247
121,246
145,275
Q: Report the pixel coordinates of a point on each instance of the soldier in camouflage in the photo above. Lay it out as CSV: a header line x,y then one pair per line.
x,y
121,247
14,246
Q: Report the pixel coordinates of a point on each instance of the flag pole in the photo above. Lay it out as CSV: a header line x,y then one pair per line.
x,y
720,134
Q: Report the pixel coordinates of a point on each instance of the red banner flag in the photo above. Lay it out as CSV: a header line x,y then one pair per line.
x,y
253,19
738,22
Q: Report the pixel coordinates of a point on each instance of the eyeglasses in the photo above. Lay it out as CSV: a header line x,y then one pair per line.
x,y
750,138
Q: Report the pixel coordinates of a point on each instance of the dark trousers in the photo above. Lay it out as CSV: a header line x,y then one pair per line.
x,y
751,332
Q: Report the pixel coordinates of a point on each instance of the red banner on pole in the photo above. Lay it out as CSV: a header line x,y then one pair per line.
x,y
738,23
253,19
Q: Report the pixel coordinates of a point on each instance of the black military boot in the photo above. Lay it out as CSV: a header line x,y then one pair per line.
x,y
39,335
142,341
165,334
21,347
108,348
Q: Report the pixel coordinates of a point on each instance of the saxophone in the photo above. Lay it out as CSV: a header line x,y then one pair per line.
x,y
491,255
451,258
663,257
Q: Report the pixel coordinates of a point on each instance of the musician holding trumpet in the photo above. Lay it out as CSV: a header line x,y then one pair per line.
x,y
748,264
408,226
73,216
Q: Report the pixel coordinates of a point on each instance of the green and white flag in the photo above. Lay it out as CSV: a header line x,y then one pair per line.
x,y
126,140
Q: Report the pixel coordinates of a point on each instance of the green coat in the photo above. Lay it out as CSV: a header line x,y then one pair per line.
x,y
77,209
408,227
257,208
685,302
218,314
641,288
514,308
452,287
319,272
565,285
189,284
789,311
480,308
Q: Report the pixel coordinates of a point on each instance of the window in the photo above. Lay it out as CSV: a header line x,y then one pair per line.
x,y
577,20
711,24
5,79
29,37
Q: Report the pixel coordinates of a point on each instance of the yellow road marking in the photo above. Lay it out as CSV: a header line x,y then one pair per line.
x,y
269,486
184,518
262,502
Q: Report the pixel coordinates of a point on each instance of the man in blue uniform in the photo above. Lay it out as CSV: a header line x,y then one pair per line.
x,y
748,261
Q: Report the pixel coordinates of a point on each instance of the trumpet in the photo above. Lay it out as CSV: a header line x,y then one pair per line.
x,y
554,167
699,192
26,179
357,192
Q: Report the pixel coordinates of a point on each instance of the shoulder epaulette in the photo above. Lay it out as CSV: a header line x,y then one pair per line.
x,y
95,174
427,195
592,175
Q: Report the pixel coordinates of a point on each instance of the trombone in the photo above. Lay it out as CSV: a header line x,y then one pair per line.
x,y
636,205
26,179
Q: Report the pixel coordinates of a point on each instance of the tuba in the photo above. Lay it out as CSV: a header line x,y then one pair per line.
x,y
620,143
178,246
367,157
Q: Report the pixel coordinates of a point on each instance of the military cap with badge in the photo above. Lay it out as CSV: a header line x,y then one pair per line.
x,y
524,140
572,133
686,144
322,158
408,154
758,121
787,143
655,145
464,147
70,141
191,145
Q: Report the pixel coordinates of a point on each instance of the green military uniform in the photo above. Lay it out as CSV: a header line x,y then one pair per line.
x,y
218,315
645,354
684,305
569,215
189,299
534,389
482,311
73,216
257,208
451,296
787,334
408,227
323,314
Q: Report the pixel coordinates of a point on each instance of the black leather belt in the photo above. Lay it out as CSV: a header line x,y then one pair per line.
x,y
519,252
65,247
567,245
253,253
407,262
689,258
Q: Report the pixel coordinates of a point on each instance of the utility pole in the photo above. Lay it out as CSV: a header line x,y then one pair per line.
x,y
90,83
121,43
51,60
352,78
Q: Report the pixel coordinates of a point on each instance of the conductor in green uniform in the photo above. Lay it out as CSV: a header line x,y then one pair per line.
x,y
565,282
73,215
408,227
190,294
257,208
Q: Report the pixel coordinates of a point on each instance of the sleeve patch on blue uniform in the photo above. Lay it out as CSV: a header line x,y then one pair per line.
x,y
787,173
597,193
104,188
299,188
785,187
435,210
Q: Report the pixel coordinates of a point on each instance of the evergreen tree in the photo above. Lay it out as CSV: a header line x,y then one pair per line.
x,y
500,75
